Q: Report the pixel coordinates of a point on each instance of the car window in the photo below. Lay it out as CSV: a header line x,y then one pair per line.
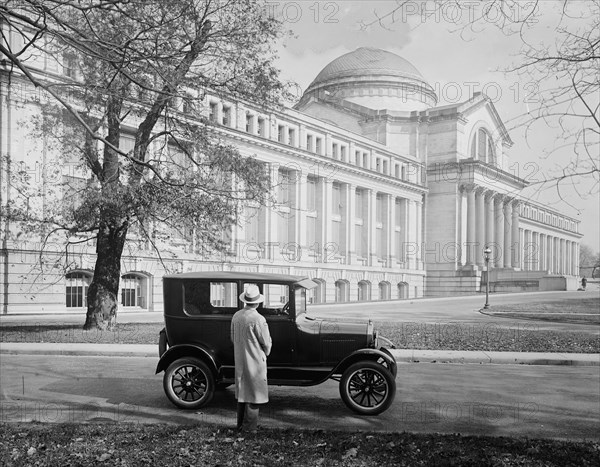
x,y
277,296
209,298
300,300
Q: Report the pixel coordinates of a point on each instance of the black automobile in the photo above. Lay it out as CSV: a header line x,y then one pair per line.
x,y
196,352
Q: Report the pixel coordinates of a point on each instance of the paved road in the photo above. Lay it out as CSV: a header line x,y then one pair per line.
x,y
506,400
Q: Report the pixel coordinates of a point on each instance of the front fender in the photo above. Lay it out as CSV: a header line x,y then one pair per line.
x,y
186,350
367,354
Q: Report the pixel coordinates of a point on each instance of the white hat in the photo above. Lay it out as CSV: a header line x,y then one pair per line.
x,y
252,295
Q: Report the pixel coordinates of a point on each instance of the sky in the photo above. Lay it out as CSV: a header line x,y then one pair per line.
x,y
455,63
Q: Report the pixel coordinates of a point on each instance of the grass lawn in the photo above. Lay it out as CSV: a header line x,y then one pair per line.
x,y
584,311
143,445
512,329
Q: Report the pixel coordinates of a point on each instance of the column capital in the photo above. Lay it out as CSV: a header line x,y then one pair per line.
x,y
468,187
490,195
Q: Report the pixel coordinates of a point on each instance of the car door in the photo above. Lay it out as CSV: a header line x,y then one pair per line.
x,y
281,323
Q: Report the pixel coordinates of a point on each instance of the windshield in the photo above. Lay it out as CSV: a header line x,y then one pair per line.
x,y
300,299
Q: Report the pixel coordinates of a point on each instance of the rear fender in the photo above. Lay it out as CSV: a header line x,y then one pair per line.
x,y
367,354
180,351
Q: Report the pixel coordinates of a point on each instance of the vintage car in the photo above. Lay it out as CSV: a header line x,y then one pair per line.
x,y
196,352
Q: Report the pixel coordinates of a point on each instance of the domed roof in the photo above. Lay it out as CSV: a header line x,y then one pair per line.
x,y
367,61
373,78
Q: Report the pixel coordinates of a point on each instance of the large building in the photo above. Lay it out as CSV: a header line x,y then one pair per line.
x,y
381,194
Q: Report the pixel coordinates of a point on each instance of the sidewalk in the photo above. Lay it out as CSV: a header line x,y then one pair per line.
x,y
401,355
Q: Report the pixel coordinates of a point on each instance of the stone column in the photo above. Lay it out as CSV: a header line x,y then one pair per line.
x,y
350,228
556,256
499,231
550,253
372,227
535,253
402,222
542,252
471,225
576,258
300,213
418,232
326,213
516,241
508,234
480,226
563,256
489,223
390,218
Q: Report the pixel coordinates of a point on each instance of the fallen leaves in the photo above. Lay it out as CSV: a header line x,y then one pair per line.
x,y
131,445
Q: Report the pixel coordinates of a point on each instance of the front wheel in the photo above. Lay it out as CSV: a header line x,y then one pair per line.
x,y
367,388
189,383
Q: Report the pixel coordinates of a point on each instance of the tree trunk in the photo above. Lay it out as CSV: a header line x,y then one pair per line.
x,y
102,298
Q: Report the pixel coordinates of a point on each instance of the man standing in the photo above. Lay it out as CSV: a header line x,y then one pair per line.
x,y
251,346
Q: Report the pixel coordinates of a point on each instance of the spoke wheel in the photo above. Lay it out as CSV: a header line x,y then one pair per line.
x,y
367,388
189,383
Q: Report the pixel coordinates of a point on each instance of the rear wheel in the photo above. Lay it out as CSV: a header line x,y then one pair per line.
x,y
189,383
367,388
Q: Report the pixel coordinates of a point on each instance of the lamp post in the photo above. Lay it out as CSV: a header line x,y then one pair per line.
x,y
486,256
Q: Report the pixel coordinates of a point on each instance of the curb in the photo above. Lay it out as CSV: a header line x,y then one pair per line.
x,y
401,355
495,358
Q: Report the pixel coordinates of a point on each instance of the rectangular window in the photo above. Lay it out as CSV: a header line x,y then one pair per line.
x,y
336,203
379,209
212,113
227,116
251,228
334,151
311,231
365,160
357,158
75,296
358,212
311,194
291,137
128,297
343,153
70,65
276,296
309,142
249,123
284,187
318,145
283,221
358,232
223,294
281,134
261,127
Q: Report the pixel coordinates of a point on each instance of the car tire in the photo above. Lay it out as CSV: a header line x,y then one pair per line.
x,y
367,388
189,383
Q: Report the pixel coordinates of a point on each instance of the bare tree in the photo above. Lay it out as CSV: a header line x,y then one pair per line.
x,y
567,70
142,67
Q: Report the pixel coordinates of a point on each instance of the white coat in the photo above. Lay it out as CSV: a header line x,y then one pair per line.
x,y
251,346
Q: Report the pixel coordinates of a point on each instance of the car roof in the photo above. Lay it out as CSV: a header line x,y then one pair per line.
x,y
236,275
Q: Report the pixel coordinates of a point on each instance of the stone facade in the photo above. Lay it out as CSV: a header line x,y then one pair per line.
x,y
381,195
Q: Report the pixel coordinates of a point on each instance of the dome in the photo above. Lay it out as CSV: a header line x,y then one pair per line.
x,y
376,79
367,60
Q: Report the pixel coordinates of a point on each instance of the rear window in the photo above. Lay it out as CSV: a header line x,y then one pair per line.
x,y
210,298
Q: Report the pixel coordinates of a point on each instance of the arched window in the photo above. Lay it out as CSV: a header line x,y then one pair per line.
x,y
384,290
77,284
342,290
134,291
317,294
482,147
364,291
402,290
